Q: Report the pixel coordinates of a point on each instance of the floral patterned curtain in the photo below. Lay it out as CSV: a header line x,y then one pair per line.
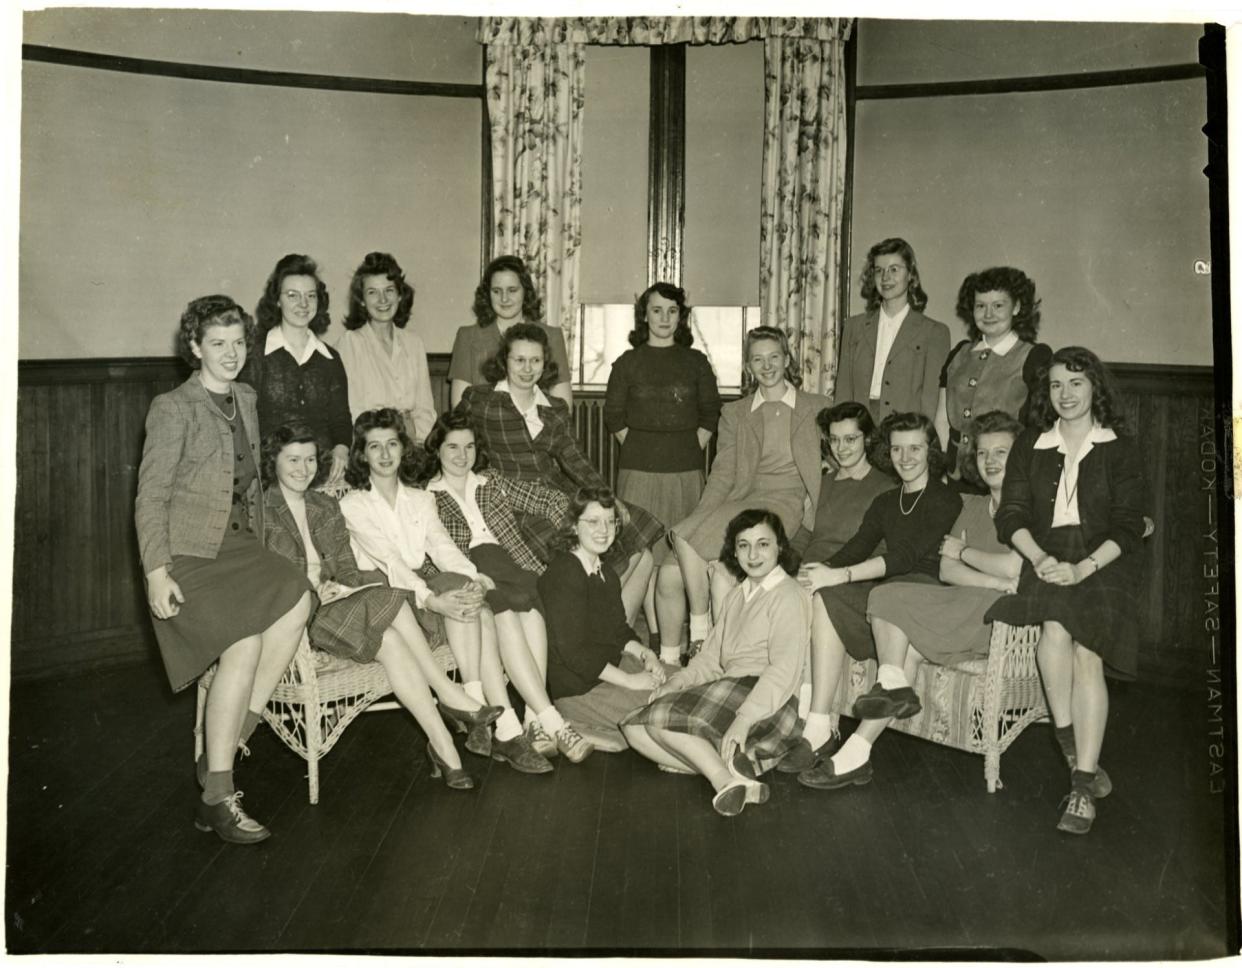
x,y
800,244
535,77
535,96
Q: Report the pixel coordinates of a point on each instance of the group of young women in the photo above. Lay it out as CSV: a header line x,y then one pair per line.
x,y
942,489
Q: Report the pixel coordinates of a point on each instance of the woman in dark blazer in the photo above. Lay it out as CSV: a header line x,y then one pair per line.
x,y
371,625
909,377
216,594
768,456
1072,506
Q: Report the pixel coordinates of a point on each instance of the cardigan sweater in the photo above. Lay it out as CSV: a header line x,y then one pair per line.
x,y
315,393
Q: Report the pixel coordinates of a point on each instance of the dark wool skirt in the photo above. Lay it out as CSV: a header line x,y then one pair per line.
x,y
846,606
516,589
1102,613
354,627
230,597
708,710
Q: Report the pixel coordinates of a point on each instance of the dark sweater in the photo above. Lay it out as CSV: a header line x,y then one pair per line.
x,y
913,540
586,624
663,395
315,394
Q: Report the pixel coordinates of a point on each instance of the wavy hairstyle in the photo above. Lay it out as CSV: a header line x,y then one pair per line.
x,y
495,368
203,313
567,535
847,410
445,425
357,472
750,518
278,440
642,331
992,422
937,462
378,264
1105,400
914,295
267,312
1014,283
532,306
793,374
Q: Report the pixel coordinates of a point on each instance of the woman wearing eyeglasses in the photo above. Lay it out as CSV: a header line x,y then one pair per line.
x,y
892,354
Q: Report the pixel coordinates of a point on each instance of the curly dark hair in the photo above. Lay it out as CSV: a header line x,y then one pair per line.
x,y
267,312
992,422
495,368
750,518
445,425
847,410
205,312
937,462
357,471
1105,399
532,305
1013,282
567,535
278,440
914,295
378,264
642,332
793,373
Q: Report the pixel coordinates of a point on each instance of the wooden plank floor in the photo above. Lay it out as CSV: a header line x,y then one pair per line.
x,y
609,856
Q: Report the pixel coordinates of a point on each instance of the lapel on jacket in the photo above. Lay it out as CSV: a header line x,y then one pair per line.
x,y
909,335
289,536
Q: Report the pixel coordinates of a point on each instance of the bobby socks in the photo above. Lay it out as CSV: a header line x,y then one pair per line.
x,y
670,654
474,689
700,626
818,729
853,754
508,726
217,787
892,677
552,720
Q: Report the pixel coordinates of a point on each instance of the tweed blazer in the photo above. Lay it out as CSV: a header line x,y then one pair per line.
x,y
497,498
740,446
911,372
185,481
327,530
1110,492
553,457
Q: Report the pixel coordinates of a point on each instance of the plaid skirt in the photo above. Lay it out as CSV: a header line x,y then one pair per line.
x,y
708,710
354,627
1102,612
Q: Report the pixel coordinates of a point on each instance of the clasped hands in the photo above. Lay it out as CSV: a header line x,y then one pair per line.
x,y
462,604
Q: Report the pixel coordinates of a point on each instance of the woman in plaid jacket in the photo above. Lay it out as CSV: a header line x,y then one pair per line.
x,y
371,625
477,510
529,437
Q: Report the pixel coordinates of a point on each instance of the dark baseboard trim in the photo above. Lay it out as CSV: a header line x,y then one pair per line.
x,y
245,75
1026,85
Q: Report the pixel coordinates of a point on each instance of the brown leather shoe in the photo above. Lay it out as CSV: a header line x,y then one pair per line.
x,y
520,755
230,821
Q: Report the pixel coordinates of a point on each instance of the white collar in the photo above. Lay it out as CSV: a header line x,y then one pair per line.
x,y
473,481
582,560
897,318
770,581
789,398
1008,342
1051,439
540,399
276,341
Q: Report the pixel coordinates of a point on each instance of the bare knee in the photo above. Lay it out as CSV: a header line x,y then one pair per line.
x,y
668,579
1087,663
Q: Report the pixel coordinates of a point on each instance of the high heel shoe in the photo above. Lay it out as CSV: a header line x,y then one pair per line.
x,y
464,720
454,779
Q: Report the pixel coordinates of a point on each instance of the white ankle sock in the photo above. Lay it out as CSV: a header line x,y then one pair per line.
x,y
700,625
818,729
670,654
508,726
474,689
551,720
892,677
853,754
528,717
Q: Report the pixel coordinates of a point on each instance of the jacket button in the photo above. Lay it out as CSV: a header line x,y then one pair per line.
x,y
974,382
966,412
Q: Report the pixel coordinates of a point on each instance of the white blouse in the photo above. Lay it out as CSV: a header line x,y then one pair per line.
x,y
381,378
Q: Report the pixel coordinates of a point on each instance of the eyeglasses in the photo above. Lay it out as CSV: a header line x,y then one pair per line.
x,y
594,523
849,440
893,271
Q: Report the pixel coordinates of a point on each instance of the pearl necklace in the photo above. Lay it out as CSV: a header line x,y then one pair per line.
x,y
230,417
901,506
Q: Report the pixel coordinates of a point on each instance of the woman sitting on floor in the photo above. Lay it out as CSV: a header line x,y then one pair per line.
x,y
394,527
530,437
476,510
598,670
1072,505
911,622
768,457
216,594
910,520
733,711
370,625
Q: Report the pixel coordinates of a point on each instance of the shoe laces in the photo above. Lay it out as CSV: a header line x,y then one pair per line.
x,y
240,817
569,736
1080,804
537,731
243,749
